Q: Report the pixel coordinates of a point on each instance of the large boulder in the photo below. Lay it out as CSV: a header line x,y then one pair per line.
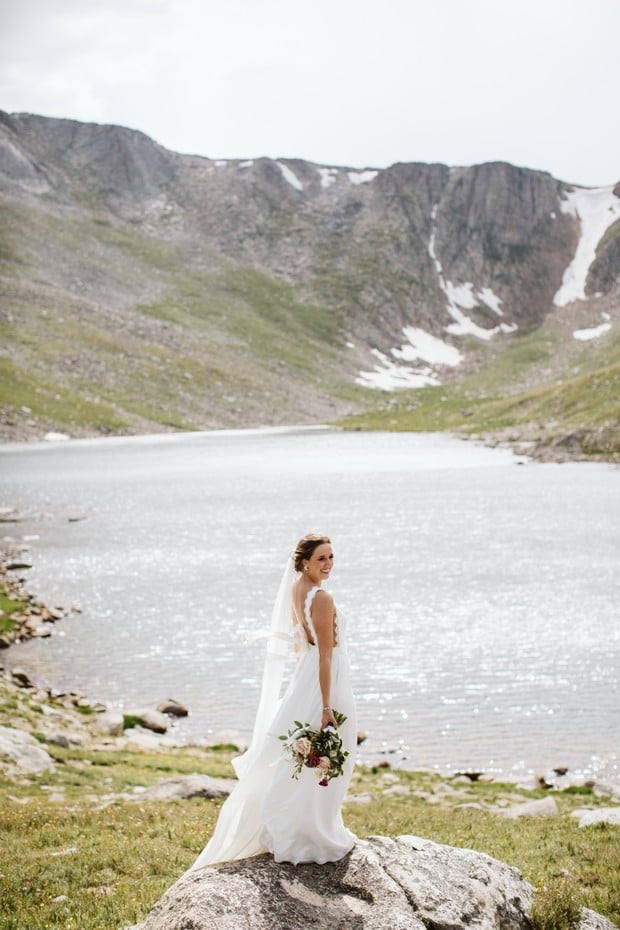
x,y
23,750
402,883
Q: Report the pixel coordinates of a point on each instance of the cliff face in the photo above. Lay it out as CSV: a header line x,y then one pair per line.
x,y
105,217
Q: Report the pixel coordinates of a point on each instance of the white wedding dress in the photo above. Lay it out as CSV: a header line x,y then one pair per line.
x,y
268,810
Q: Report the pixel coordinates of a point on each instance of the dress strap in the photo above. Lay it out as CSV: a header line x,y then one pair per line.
x,y
307,610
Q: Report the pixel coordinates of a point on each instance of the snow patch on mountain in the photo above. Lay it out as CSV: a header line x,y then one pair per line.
x,y
594,332
388,376
462,297
420,346
596,209
290,176
428,348
328,176
492,301
362,177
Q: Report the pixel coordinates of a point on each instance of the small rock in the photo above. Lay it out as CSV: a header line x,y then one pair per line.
x,y
389,778
589,817
59,739
42,632
68,851
16,566
362,798
546,807
111,722
396,791
602,790
143,739
541,782
189,786
150,720
24,750
172,708
21,678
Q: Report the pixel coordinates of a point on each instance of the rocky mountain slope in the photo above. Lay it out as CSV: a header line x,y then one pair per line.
x,y
144,289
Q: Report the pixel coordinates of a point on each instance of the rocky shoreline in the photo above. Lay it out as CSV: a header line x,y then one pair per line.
x,y
24,617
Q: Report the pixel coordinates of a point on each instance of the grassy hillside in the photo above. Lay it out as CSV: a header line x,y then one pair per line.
x,y
179,341
545,391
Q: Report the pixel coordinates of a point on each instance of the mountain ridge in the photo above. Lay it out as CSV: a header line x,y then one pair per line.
x,y
306,286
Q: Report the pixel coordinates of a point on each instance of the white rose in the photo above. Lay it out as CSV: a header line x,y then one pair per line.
x,y
302,746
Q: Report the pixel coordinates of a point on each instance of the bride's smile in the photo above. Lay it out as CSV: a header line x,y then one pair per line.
x,y
318,567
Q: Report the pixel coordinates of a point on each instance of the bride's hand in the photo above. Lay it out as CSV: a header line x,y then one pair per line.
x,y
328,718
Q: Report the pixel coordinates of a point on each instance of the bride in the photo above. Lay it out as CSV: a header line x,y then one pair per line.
x,y
297,820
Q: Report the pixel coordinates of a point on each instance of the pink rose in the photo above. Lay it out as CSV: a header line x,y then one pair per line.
x,y
324,764
302,746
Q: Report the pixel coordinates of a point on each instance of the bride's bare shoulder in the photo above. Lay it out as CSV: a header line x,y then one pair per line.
x,y
323,601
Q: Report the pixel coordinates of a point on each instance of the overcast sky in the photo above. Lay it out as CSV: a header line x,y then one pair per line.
x,y
338,82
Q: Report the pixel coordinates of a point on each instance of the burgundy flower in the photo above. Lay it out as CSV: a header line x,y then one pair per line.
x,y
323,783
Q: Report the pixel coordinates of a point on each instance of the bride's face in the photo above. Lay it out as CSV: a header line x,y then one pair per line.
x,y
320,563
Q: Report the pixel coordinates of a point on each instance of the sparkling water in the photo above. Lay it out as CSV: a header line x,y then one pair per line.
x,y
481,590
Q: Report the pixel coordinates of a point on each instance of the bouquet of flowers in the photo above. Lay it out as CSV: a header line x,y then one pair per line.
x,y
320,750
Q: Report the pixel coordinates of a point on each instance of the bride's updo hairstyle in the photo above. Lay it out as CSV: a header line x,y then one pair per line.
x,y
305,547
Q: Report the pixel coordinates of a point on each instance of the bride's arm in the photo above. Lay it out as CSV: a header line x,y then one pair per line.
x,y
323,622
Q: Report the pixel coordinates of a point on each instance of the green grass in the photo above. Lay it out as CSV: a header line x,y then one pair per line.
x,y
195,347
51,402
528,385
8,606
81,848
113,857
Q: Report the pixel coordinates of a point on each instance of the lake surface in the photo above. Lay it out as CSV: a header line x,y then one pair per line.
x,y
481,590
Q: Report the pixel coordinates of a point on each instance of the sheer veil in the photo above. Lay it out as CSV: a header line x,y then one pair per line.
x,y
279,644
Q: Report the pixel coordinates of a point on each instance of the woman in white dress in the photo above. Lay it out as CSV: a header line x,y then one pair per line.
x,y
297,820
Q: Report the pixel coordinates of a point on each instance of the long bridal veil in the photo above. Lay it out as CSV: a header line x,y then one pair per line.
x,y
278,649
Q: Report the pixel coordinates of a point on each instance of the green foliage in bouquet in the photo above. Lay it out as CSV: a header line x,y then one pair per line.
x,y
320,750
